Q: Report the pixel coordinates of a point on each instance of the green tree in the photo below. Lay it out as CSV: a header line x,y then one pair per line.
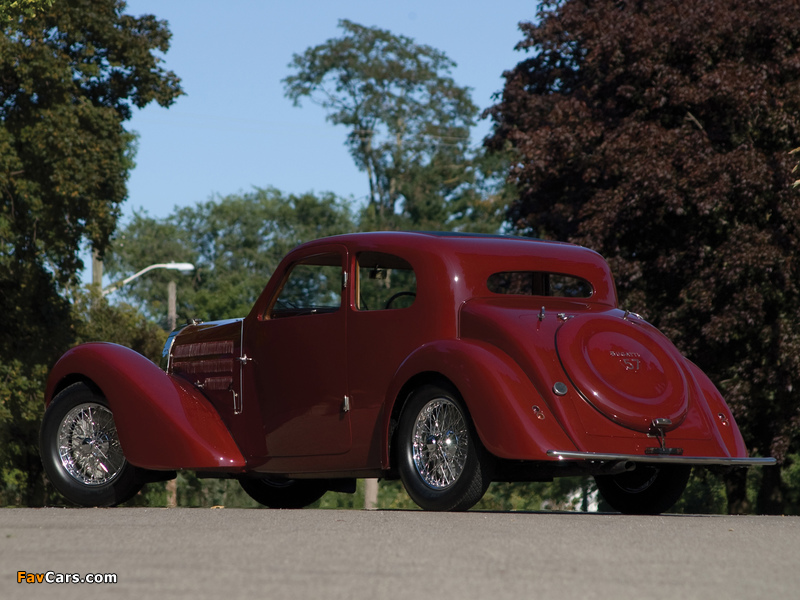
x,y
16,9
70,76
408,121
22,480
97,320
234,242
481,205
658,134
22,388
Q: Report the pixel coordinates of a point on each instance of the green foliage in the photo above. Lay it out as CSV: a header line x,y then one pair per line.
x,y
69,78
70,73
16,9
658,134
199,493
408,121
22,394
21,410
234,242
32,311
97,320
791,481
480,207
563,493
705,494
391,495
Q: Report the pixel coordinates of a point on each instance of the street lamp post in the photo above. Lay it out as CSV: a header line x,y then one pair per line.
x,y
182,267
172,313
172,304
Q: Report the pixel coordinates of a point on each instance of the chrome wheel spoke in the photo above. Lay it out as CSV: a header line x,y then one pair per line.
x,y
439,443
88,445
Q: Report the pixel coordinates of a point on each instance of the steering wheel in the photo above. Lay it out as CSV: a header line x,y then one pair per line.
x,y
396,296
284,305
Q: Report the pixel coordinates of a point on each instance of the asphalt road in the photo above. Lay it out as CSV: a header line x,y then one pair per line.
x,y
322,554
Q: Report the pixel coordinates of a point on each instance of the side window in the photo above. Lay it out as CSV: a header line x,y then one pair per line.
x,y
384,282
312,286
536,283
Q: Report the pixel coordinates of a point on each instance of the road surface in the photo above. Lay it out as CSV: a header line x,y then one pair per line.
x,y
327,555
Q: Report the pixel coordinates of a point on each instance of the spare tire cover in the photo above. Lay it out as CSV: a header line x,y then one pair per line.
x,y
625,368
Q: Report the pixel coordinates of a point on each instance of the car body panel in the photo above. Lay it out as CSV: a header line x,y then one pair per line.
x,y
624,369
491,385
163,422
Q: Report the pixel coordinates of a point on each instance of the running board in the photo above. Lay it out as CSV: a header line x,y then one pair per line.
x,y
662,458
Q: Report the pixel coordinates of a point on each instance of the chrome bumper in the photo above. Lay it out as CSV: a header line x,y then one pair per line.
x,y
662,458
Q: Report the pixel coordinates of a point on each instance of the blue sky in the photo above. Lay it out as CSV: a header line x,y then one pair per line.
x,y
235,130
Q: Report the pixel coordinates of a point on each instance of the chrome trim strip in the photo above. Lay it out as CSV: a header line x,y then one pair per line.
x,y
656,458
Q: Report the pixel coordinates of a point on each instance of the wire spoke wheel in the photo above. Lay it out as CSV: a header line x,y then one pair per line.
x,y
81,452
88,445
439,456
441,442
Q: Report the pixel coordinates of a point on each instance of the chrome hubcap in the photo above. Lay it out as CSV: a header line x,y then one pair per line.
x,y
439,441
88,445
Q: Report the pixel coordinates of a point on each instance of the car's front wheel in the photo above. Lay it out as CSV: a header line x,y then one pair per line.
x,y
80,449
276,492
441,461
647,490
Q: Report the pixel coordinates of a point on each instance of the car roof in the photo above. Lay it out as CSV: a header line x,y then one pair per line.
x,y
453,239
446,242
470,258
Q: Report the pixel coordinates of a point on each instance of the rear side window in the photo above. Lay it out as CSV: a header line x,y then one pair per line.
x,y
538,283
384,282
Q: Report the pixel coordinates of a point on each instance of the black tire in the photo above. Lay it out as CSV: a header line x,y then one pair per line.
x,y
441,461
80,450
276,492
647,490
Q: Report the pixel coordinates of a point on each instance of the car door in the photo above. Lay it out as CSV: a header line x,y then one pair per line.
x,y
297,359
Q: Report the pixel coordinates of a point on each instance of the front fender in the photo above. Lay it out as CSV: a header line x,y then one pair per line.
x,y
499,397
162,421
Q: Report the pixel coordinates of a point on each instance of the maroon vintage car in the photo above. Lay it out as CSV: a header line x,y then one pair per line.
x,y
447,360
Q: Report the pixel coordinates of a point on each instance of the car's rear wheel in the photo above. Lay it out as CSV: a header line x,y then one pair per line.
x,y
80,449
647,490
276,492
440,459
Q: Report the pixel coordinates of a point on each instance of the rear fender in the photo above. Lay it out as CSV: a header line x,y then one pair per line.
x,y
162,421
725,427
511,418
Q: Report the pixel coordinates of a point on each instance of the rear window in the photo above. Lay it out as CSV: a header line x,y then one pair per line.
x,y
538,283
